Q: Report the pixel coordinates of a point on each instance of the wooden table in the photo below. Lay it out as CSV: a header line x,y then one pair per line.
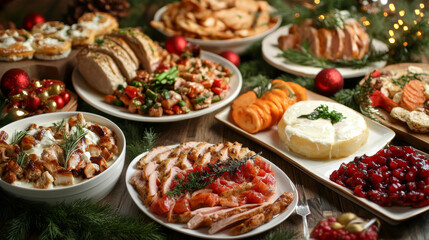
x,y
323,202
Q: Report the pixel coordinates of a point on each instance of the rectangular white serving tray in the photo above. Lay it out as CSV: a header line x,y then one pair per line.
x,y
379,137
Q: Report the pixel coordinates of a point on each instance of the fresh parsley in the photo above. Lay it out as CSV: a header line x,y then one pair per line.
x,y
323,112
404,79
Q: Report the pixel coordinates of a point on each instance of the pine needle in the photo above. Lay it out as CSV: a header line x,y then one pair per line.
x,y
17,136
259,84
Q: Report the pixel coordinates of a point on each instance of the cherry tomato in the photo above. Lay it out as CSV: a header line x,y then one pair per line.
x,y
66,97
169,111
177,109
376,74
59,100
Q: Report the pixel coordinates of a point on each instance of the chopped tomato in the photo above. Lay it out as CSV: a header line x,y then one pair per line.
x,y
262,188
263,165
261,172
238,178
206,84
109,99
217,83
249,170
376,74
177,109
269,179
204,200
168,111
217,90
254,197
182,205
126,100
163,205
131,91
220,185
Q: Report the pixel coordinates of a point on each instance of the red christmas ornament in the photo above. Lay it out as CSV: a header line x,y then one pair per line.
x,y
328,81
32,19
33,103
176,44
59,100
231,56
66,97
14,79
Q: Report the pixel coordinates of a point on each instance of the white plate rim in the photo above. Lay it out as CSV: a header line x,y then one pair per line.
x,y
159,12
270,53
96,99
198,232
386,213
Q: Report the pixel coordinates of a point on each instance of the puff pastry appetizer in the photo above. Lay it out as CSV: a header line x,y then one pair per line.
x,y
100,71
107,46
102,23
15,45
81,35
54,29
51,48
148,52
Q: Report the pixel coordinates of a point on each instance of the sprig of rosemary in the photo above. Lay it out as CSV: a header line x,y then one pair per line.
x,y
20,159
200,179
71,141
404,79
323,112
334,19
60,124
18,135
260,84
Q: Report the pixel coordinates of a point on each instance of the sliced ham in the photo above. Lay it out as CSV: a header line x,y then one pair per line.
x,y
148,169
185,217
151,155
166,183
183,161
165,166
267,209
152,189
183,147
279,206
363,37
203,159
337,46
234,149
203,219
243,153
309,34
325,37
350,47
288,41
139,183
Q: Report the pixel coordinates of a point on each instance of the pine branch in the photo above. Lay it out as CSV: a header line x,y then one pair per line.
x,y
82,219
259,84
140,145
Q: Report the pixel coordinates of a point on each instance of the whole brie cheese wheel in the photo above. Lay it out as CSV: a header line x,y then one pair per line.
x,y
320,139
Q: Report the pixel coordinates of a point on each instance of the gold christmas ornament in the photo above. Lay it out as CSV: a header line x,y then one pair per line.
x,y
44,95
16,113
51,105
55,89
37,84
345,218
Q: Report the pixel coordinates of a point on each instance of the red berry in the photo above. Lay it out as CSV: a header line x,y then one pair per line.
x,y
59,100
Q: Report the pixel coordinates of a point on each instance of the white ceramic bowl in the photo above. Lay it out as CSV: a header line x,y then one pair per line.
x,y
95,188
218,46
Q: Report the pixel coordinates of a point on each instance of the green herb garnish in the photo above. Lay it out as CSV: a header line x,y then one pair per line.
x,y
404,79
18,136
71,141
21,159
59,125
166,78
99,41
200,179
323,112
332,20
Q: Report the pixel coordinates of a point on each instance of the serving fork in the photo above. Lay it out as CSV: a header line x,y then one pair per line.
x,y
303,210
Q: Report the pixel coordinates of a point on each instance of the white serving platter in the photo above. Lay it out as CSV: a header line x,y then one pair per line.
x,y
271,52
96,99
379,136
284,184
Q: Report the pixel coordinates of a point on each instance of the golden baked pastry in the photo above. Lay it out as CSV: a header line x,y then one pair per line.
x,y
102,23
81,35
54,29
15,45
50,48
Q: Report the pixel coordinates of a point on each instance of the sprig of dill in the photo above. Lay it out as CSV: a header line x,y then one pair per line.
x,y
200,179
18,135
71,141
21,159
